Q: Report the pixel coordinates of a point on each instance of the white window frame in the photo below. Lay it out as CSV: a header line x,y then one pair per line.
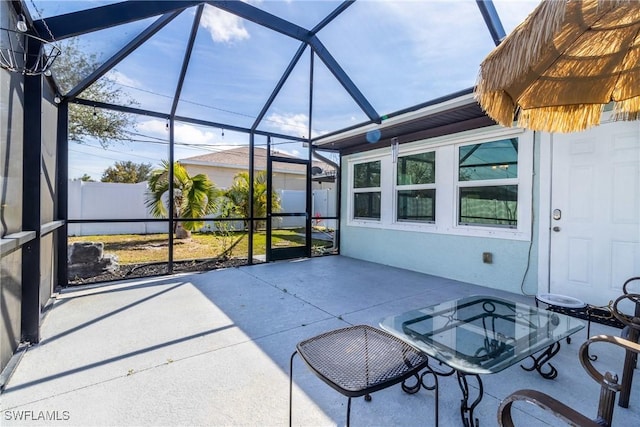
x,y
408,187
500,182
446,148
353,191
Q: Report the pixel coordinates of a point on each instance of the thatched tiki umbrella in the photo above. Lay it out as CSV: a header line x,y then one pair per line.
x,y
559,68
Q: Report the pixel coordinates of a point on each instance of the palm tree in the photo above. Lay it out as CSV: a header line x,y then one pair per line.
x,y
238,196
193,197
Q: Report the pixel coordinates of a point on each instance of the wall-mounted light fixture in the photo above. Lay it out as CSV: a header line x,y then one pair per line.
x,y
21,25
394,149
57,99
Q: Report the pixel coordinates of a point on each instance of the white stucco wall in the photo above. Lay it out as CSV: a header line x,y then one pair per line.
x,y
446,251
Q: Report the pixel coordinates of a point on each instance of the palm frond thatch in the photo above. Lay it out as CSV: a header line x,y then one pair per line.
x,y
559,68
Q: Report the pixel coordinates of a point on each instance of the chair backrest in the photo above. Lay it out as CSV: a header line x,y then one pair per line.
x,y
608,381
608,388
625,286
626,289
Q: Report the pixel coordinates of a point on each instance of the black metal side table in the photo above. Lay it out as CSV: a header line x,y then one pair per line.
x,y
566,305
359,360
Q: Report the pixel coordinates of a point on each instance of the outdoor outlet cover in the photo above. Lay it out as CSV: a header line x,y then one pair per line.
x,y
487,257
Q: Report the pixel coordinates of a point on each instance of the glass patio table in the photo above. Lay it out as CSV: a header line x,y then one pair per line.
x,y
480,335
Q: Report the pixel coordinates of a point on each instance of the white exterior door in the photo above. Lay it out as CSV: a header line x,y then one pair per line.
x,y
595,211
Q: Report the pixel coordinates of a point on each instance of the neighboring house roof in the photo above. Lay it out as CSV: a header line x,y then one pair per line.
x,y
238,158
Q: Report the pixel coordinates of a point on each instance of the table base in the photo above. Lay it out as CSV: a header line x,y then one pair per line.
x,y
433,374
466,410
543,359
429,381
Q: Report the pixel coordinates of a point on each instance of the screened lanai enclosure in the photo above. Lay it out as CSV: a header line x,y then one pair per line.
x,y
152,137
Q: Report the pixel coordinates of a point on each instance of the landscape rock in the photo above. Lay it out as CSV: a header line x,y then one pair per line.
x,y
87,259
86,252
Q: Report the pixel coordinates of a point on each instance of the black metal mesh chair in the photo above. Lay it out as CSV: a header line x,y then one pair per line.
x,y
359,360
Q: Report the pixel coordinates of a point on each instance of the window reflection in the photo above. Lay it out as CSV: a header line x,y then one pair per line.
x,y
367,198
494,205
417,169
484,202
366,175
417,205
491,160
367,205
416,190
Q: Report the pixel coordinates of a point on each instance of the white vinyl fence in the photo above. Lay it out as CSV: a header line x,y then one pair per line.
x,y
106,200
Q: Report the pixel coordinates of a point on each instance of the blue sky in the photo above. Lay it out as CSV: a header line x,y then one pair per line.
x,y
398,53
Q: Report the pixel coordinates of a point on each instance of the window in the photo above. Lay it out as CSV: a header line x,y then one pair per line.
x,y
366,190
415,188
488,184
472,184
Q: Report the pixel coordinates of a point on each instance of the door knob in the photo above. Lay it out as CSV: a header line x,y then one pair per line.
x,y
556,229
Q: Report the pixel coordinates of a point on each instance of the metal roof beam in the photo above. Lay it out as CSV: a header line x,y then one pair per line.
x,y
344,79
343,6
160,115
187,58
123,53
98,18
238,128
260,17
278,87
492,20
120,108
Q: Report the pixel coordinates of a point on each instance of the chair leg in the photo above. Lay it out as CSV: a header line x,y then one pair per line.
x,y
291,385
627,370
348,412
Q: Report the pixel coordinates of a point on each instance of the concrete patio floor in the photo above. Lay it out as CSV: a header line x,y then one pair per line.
x,y
214,348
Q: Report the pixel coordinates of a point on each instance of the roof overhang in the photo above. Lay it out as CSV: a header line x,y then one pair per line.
x,y
448,115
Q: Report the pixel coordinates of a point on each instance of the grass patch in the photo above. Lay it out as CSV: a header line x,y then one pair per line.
x,y
147,248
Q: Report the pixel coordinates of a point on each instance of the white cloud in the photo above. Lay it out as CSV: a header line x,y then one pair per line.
x,y
223,26
199,140
289,123
192,135
153,127
431,27
121,78
184,133
447,26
